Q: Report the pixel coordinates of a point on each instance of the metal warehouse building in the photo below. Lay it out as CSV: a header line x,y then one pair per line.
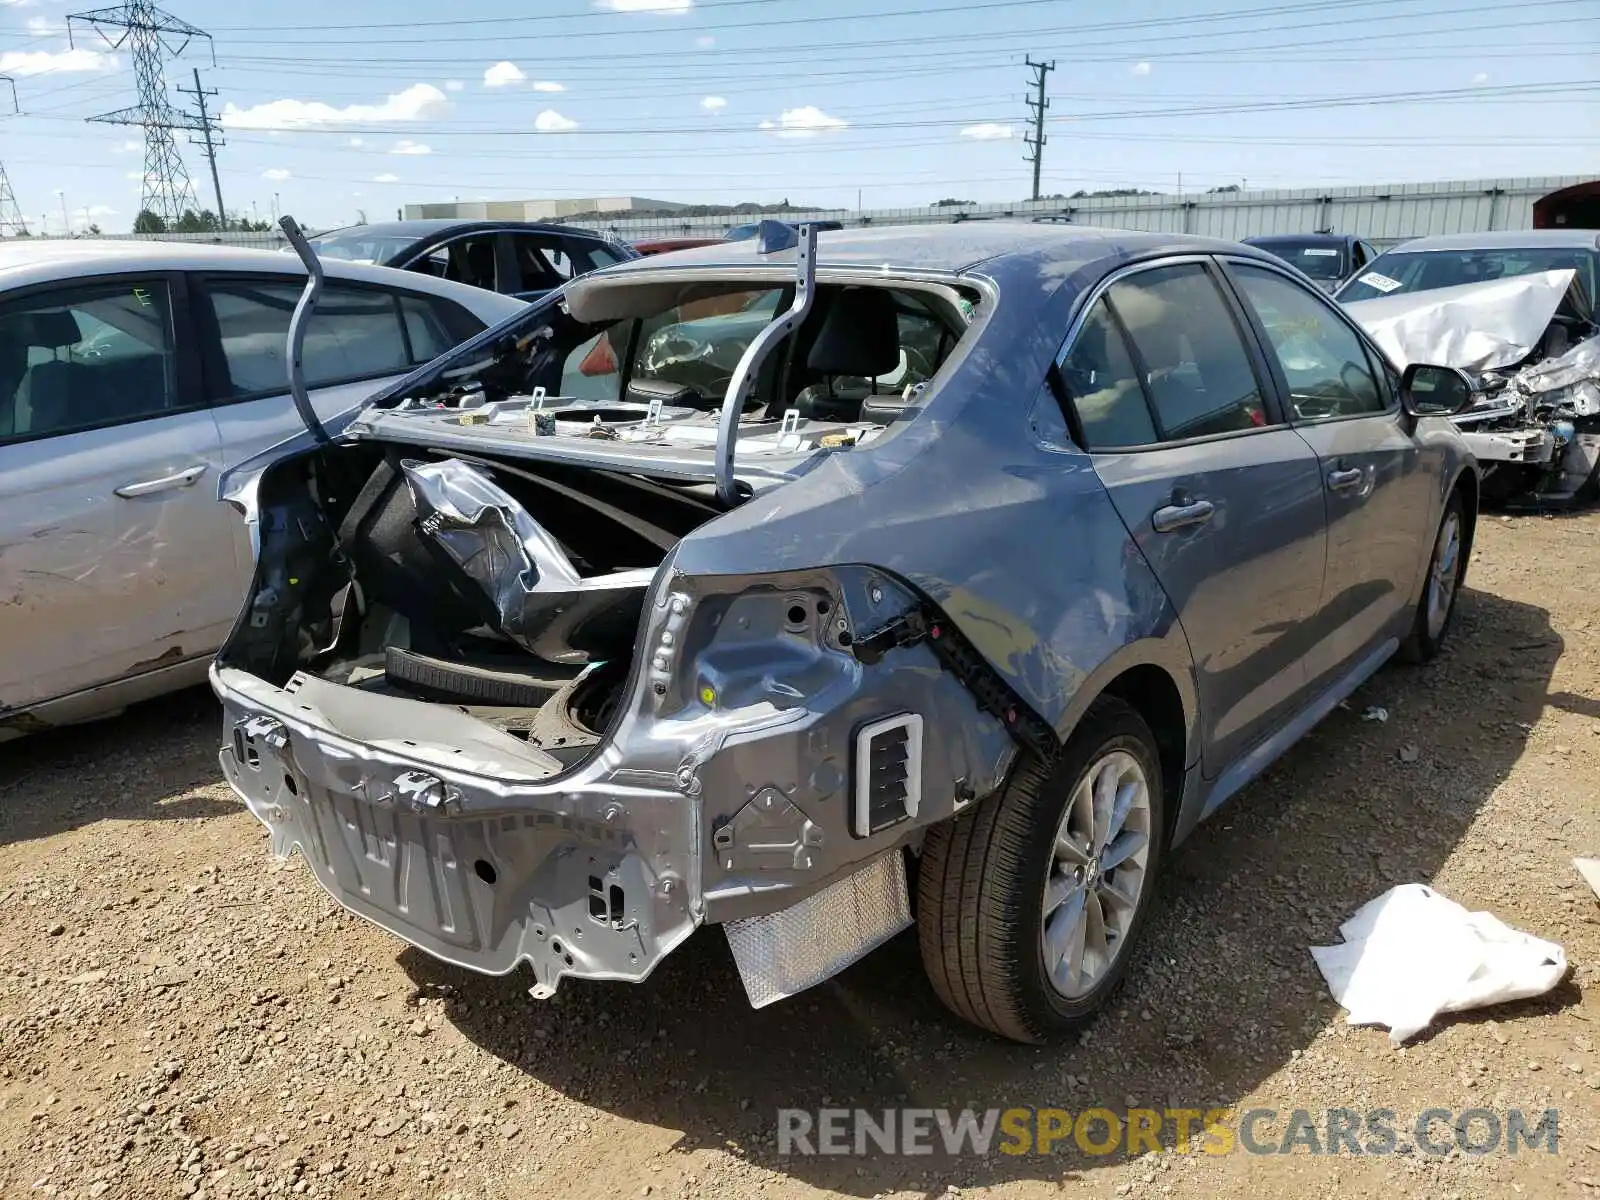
x,y
1384,213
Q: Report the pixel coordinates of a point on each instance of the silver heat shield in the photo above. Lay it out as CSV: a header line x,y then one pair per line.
x,y
786,952
540,600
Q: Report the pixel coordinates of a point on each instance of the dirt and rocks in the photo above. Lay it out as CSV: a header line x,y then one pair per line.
x,y
181,1015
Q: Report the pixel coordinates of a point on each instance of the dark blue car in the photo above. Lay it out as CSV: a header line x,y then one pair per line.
x,y
518,258
1328,258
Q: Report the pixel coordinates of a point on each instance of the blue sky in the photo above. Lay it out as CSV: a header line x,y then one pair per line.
x,y
364,105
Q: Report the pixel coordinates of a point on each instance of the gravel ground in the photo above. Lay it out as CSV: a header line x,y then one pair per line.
x,y
180,1015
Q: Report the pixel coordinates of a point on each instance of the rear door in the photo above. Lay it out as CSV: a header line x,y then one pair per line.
x,y
109,458
360,338
1223,498
1379,488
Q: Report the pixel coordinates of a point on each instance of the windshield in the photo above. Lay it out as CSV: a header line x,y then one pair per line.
x,y
1317,259
356,246
1423,270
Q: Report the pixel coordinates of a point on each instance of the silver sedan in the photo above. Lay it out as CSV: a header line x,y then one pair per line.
x,y
132,374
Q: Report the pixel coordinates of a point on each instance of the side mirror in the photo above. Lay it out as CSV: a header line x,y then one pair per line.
x,y
1432,391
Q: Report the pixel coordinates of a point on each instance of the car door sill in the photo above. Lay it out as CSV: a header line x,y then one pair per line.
x,y
105,699
1267,752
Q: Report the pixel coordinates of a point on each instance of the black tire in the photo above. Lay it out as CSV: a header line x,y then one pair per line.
x,y
980,887
1421,644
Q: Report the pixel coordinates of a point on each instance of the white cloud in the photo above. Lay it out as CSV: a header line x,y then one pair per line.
x,y
386,179
43,62
988,131
550,121
276,174
453,85
1481,77
713,104
357,142
407,146
1142,68
41,26
503,74
418,102
131,146
548,85
803,122
646,6
706,42
136,176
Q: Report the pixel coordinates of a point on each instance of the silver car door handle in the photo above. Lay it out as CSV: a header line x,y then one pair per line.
x,y
167,483
1343,481
1180,516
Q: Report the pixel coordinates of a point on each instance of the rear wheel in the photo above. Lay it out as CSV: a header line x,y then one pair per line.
x,y
1447,566
1028,906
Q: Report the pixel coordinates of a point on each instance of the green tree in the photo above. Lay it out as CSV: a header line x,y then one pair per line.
x,y
148,222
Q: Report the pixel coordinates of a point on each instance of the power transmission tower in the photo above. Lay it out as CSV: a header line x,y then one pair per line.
x,y
149,34
11,221
1037,140
208,127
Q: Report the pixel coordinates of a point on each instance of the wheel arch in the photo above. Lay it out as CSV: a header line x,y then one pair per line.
x,y
1152,679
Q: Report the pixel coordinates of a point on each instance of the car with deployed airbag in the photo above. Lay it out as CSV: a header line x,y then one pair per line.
x,y
995,560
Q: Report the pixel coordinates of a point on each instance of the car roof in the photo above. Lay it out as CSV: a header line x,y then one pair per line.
x,y
1507,239
423,227
1300,239
944,248
25,261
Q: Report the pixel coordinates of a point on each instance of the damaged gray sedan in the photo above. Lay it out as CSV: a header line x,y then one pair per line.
x,y
963,582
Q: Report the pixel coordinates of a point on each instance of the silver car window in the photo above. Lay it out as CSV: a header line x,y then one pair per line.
x,y
86,357
354,334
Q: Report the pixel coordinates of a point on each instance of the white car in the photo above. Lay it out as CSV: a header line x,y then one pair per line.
x,y
132,374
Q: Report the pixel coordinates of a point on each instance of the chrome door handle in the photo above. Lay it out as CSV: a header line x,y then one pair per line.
x,y
167,483
1343,481
1181,516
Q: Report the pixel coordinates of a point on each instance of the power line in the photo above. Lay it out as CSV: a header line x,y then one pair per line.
x,y
1432,96
208,125
1037,139
166,190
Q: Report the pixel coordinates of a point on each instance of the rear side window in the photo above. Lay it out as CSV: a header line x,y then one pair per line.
x,y
469,260
543,263
355,333
86,357
1189,353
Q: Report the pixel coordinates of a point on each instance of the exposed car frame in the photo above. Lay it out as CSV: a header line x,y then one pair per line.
x,y
823,672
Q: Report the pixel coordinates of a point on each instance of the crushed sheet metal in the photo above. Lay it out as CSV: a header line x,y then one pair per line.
x,y
1474,326
1575,373
1412,954
798,947
542,601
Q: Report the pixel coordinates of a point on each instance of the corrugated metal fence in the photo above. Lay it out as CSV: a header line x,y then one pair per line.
x,y
1383,213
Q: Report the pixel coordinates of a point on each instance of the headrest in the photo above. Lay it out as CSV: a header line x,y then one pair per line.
x,y
51,329
860,335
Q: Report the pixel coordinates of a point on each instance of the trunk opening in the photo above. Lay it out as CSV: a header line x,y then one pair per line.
x,y
376,572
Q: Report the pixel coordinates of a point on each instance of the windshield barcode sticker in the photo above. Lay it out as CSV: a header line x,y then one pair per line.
x,y
1382,282
1319,252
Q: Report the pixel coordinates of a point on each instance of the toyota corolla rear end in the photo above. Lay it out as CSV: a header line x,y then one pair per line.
x,y
475,685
